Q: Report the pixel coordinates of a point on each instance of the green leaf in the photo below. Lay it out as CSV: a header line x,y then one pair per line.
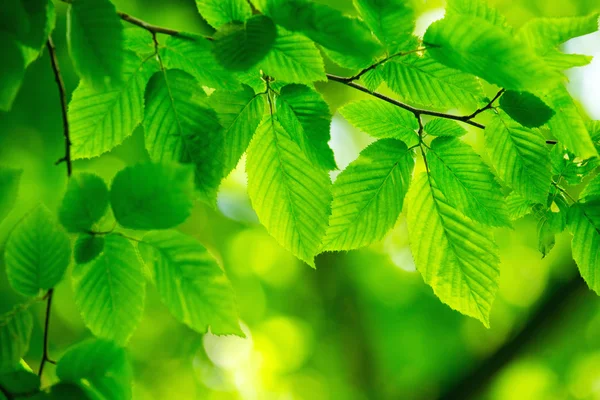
x,y
477,8
475,46
180,126
368,195
290,196
152,196
544,35
301,109
518,206
591,191
240,46
193,54
525,108
373,78
456,256
567,124
9,189
466,181
110,290
85,202
552,220
139,41
13,18
41,16
325,25
95,38
293,59
382,120
593,128
392,21
61,391
190,282
240,114
425,81
21,382
520,156
12,70
444,127
37,253
88,247
584,224
15,334
565,165
99,367
221,12
101,119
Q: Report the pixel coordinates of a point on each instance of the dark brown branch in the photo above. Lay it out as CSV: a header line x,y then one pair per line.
x,y
145,25
45,356
547,314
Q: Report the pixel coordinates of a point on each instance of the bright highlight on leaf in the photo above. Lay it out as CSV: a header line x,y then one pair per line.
x,y
38,252
368,195
456,256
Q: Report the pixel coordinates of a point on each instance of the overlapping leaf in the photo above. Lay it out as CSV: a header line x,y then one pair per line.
x,y
110,290
37,253
289,194
477,8
526,108
15,334
456,256
95,38
85,202
444,127
584,225
382,120
152,196
301,109
368,195
520,156
476,46
466,182
101,119
425,81
180,126
190,282
221,12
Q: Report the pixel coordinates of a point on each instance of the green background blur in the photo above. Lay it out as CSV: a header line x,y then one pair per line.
x,y
363,325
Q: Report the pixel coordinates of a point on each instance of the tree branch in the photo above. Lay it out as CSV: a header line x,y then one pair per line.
x,y
547,314
145,25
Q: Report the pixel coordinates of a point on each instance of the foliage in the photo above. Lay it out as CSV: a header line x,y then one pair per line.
x,y
205,102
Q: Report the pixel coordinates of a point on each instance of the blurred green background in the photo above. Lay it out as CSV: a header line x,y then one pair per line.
x,y
363,325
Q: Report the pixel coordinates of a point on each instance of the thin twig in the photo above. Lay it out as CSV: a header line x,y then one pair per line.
x,y
145,25
378,63
45,356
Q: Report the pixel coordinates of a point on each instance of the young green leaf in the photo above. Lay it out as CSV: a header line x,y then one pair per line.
x,y
301,109
15,334
240,114
9,189
584,224
41,17
110,290
544,35
520,156
289,194
591,191
593,128
567,124
565,165
526,108
368,195
240,46
88,247
425,81
37,254
193,54
467,183
101,119
95,38
180,126
444,127
456,256
293,59
373,78
477,8
221,12
99,367
85,202
552,220
12,70
190,282
382,120
518,206
326,26
152,196
392,21
475,46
